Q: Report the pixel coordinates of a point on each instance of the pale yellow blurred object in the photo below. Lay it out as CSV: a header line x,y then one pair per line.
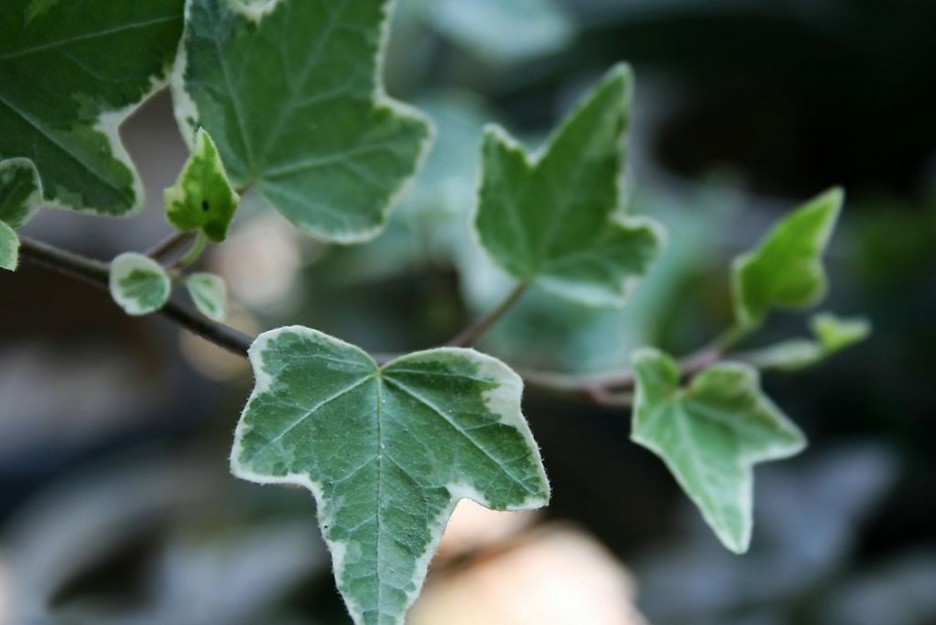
x,y
473,527
553,576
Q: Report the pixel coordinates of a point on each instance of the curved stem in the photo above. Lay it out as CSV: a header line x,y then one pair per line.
x,y
193,254
97,273
470,335
170,245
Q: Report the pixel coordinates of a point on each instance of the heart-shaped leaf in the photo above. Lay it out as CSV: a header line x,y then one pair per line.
x,y
72,72
289,91
785,270
202,198
139,284
553,218
710,435
386,451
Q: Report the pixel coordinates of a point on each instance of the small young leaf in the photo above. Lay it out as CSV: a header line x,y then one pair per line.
x,y
710,435
837,333
785,270
72,72
9,248
386,451
202,198
209,293
290,93
20,191
139,284
833,334
552,218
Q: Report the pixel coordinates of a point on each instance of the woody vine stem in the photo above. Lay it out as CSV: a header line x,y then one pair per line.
x,y
609,390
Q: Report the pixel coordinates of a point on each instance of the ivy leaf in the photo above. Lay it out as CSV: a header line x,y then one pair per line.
x,y
289,91
710,435
209,293
837,333
202,198
552,218
20,191
832,335
139,284
785,270
386,451
9,248
72,72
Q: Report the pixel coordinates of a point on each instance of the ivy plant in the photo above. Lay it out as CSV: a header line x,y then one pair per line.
x,y
283,99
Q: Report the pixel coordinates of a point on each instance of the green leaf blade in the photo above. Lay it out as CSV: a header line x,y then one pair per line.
x,y
139,284
65,92
304,117
785,270
209,293
20,191
553,218
386,452
202,198
9,248
710,435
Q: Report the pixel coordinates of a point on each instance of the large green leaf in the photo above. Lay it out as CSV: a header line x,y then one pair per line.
x,y
289,91
710,435
20,191
202,198
785,270
72,72
386,451
553,218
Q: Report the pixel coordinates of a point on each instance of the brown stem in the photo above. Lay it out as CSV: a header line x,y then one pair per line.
x,y
97,273
470,335
169,245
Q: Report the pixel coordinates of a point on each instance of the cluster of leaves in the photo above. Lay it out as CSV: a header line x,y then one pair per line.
x,y
283,98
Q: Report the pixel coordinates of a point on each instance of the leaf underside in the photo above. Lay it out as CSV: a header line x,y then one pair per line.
x,y
9,248
72,71
292,99
710,435
785,270
387,452
553,218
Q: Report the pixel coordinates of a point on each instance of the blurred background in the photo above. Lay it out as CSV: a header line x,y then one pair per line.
x,y
115,502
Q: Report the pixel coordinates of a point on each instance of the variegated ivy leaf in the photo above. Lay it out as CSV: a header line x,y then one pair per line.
x,y
202,198
209,293
832,335
710,435
139,284
9,248
289,91
386,451
552,218
72,72
785,269
20,191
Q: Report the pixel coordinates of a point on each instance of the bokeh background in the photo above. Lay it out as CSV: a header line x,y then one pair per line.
x,y
115,504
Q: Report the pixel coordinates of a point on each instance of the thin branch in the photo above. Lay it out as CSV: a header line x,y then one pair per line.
x,y
470,335
97,273
169,245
